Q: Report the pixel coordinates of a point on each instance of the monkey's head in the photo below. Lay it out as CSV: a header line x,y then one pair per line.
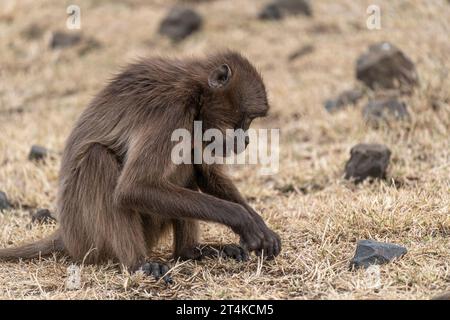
x,y
234,96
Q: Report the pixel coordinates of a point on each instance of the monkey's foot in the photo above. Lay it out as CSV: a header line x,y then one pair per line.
x,y
199,252
157,270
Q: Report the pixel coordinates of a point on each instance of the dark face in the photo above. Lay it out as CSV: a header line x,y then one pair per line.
x,y
240,97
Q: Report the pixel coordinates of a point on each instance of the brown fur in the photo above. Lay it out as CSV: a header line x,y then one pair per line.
x,y
119,190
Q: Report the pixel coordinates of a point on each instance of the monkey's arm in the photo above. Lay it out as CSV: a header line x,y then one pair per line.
x,y
172,202
211,180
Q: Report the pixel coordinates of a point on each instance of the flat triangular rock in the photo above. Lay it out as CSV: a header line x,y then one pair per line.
x,y
369,252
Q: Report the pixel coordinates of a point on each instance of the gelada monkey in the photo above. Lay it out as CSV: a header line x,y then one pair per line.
x,y
119,191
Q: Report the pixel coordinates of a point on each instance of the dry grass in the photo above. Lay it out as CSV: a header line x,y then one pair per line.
x,y
319,226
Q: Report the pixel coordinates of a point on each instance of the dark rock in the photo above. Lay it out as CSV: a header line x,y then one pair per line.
x,y
61,39
369,252
305,50
270,12
278,9
37,153
180,23
33,31
385,66
4,203
347,97
367,160
384,110
42,216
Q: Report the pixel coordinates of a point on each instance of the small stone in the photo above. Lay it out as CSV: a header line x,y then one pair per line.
x,y
385,110
370,252
385,66
32,32
4,203
37,153
347,97
270,12
367,160
61,39
278,9
42,216
180,23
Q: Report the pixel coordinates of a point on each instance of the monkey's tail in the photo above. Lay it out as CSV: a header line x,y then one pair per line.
x,y
40,248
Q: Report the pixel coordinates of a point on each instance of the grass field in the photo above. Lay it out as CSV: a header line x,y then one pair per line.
x,y
319,215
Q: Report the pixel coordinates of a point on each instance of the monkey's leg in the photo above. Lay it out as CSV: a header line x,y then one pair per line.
x,y
186,246
186,236
116,232
154,229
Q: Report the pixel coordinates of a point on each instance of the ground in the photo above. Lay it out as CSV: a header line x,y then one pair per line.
x,y
319,215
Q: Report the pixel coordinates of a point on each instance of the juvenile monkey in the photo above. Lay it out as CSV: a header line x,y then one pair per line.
x,y
118,188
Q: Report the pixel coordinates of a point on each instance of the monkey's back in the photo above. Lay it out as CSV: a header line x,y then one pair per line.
x,y
140,95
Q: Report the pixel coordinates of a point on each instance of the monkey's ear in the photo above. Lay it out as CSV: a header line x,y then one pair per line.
x,y
219,77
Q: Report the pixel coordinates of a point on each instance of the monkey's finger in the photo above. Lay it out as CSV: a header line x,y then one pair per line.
x,y
244,254
272,244
246,244
146,268
233,251
269,249
243,244
258,242
251,242
277,246
276,249
241,254
168,279
164,270
156,270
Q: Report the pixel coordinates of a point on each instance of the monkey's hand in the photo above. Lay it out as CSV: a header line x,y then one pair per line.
x,y
199,252
256,236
